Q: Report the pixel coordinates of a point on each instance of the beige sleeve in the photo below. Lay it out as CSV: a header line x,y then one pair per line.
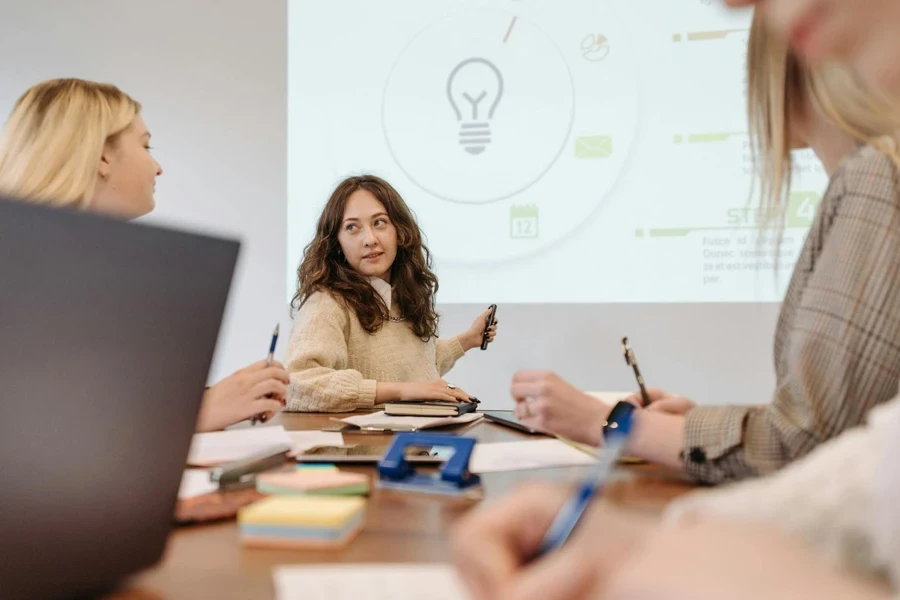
x,y
317,361
447,352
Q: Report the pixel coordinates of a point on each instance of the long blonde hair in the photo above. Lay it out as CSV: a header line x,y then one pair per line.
x,y
54,138
779,87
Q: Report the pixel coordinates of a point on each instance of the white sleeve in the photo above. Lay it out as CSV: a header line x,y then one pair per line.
x,y
828,497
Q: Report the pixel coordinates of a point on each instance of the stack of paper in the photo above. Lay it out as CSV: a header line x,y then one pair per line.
x,y
528,454
211,449
313,483
380,421
301,522
375,582
217,447
610,398
304,440
195,482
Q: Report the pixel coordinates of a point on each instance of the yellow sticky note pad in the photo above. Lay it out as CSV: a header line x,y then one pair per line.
x,y
593,146
302,511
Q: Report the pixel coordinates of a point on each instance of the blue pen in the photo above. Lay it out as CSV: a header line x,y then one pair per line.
x,y
570,514
261,417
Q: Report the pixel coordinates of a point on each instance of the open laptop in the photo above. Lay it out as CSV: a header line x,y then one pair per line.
x,y
107,332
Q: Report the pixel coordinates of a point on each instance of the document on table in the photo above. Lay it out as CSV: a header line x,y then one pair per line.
x,y
609,398
217,447
195,482
528,454
379,420
372,581
304,440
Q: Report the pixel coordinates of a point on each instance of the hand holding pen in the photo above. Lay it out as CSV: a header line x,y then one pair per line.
x,y
500,547
263,417
631,361
616,433
656,398
257,389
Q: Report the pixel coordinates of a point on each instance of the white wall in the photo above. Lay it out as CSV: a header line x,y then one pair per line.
x,y
212,77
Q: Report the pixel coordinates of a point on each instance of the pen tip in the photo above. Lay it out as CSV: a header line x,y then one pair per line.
x,y
277,328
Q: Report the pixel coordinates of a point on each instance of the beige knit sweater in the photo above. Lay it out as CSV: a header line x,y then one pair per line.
x,y
334,363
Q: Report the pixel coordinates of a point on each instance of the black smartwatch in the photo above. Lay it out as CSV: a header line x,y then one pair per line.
x,y
619,420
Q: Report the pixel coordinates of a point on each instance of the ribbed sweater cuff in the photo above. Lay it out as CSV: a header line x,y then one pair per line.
x,y
366,397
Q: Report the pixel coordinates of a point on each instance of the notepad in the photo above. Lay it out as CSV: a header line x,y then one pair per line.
x,y
527,454
301,522
218,447
370,581
334,483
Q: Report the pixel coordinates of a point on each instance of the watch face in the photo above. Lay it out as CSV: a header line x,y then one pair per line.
x,y
620,418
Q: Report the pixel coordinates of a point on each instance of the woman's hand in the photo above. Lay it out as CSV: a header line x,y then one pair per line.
x,y
472,338
662,401
437,389
494,546
545,402
244,394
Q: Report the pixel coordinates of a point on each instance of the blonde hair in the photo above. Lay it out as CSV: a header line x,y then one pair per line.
x,y
52,144
780,87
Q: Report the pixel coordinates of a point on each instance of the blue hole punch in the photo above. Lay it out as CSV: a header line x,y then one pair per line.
x,y
454,478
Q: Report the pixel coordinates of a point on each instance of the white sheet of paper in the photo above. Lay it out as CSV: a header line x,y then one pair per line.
x,y
609,398
304,440
195,482
217,447
369,581
381,420
528,454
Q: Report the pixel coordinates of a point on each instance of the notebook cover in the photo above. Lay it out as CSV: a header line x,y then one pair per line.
x,y
454,409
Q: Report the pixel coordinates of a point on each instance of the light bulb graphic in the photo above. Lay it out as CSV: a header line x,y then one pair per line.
x,y
474,89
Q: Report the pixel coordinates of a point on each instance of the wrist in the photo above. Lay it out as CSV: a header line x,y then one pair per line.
x,y
596,423
468,341
206,417
388,391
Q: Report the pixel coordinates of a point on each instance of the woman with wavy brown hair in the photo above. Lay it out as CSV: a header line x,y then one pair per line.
x,y
366,326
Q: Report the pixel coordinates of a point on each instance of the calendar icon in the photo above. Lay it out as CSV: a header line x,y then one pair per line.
x,y
523,222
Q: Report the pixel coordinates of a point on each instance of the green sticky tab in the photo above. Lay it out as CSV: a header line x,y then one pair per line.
x,y
315,467
801,209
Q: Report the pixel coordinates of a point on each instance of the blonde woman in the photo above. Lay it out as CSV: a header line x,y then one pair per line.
x,y
837,342
861,32
84,145
841,498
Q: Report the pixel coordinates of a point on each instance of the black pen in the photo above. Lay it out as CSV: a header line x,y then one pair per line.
x,y
631,361
261,417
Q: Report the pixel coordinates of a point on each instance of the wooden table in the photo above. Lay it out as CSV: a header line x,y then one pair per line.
x,y
208,561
